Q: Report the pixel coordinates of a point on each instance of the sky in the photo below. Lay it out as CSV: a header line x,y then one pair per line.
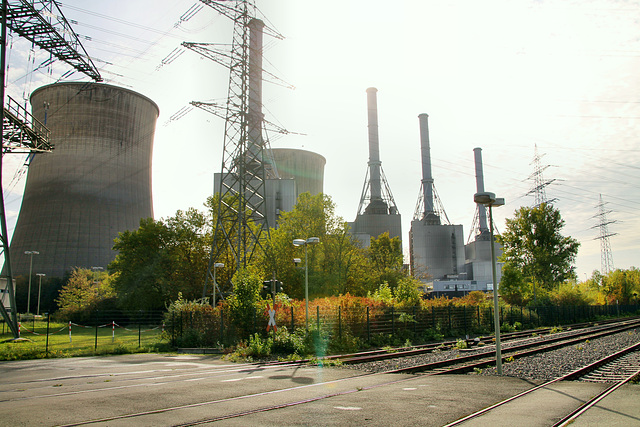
x,y
506,76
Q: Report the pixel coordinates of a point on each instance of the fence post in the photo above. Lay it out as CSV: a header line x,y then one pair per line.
x,y
292,321
393,321
139,332
47,345
95,344
433,319
222,324
368,326
449,314
318,318
464,318
339,322
415,321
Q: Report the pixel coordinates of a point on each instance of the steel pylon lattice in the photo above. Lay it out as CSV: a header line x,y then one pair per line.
x,y
539,183
606,258
241,219
42,23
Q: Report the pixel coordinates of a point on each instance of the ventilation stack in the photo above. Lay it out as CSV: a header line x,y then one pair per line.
x,y
436,249
377,212
478,251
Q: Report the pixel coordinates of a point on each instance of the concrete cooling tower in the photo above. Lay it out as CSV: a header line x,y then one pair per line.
x,y
95,184
305,167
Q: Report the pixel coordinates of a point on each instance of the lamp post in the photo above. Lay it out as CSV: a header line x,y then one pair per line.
x,y
31,254
95,273
215,284
40,275
305,243
490,200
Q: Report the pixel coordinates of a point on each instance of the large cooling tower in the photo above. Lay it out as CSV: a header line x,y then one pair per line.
x,y
305,167
95,184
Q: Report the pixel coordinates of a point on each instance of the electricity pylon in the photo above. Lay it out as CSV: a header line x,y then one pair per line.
x,y
42,23
539,183
241,217
606,258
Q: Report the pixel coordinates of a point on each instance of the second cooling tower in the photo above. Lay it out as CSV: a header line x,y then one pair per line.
x,y
95,184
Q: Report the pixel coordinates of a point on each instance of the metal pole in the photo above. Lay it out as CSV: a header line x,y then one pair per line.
x,y
29,293
306,286
496,313
39,290
214,285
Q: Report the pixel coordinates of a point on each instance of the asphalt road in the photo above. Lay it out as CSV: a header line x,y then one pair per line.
x,y
163,390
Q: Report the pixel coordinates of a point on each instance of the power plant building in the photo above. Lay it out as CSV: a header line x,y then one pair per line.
x,y
436,249
95,184
478,251
298,171
377,212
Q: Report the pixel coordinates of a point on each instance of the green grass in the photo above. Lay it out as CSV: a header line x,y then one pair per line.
x,y
82,343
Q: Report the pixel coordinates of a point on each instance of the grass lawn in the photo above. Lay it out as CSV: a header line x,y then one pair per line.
x,y
84,340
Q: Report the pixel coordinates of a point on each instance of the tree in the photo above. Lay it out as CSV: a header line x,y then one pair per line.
x,y
85,292
385,255
162,259
336,265
532,244
243,303
622,286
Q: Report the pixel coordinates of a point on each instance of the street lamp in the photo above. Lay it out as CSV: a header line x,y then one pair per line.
x,y
215,284
40,275
95,273
305,243
490,200
31,254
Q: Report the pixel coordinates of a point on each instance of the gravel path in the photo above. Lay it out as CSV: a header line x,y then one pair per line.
x,y
544,366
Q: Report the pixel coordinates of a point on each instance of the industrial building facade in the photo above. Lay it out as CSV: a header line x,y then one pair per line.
x,y
95,184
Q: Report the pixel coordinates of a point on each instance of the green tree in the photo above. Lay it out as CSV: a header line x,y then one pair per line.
x,y
385,255
245,299
533,245
619,286
407,292
85,292
336,265
161,259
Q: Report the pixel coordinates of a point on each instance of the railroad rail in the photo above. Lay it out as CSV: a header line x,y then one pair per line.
x,y
619,358
481,359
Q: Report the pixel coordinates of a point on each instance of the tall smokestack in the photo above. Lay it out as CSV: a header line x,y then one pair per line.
x,y
482,213
374,146
427,177
255,116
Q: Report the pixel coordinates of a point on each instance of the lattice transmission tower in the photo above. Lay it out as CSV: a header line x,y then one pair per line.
x,y
539,183
43,24
241,218
606,258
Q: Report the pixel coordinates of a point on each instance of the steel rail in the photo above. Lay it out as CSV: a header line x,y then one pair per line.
x,y
567,377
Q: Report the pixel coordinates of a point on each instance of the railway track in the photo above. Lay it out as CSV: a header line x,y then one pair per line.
x,y
480,358
244,393
617,369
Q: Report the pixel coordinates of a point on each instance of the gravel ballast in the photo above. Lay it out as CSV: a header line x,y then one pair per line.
x,y
542,366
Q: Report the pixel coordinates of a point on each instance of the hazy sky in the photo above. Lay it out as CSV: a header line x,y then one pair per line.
x,y
501,75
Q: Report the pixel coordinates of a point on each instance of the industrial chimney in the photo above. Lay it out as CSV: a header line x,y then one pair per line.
x,y
482,212
377,212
